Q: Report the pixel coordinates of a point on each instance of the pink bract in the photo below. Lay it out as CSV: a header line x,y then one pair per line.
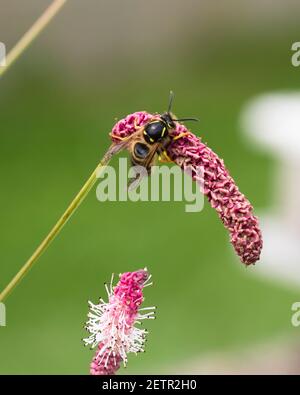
x,y
233,208
108,365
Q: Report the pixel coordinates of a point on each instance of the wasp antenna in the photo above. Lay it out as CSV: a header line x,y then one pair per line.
x,y
171,99
186,119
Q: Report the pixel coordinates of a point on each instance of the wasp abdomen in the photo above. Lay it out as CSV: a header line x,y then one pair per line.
x,y
141,150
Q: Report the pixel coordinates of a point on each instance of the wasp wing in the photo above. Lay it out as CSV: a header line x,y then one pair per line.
x,y
114,149
144,168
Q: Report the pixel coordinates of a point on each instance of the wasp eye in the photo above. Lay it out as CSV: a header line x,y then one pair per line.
x,y
141,150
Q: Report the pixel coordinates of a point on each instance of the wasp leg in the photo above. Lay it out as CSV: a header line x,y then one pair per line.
x,y
166,158
136,127
180,135
118,137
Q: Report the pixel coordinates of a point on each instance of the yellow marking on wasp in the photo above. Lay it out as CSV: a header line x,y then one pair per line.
x,y
163,132
151,139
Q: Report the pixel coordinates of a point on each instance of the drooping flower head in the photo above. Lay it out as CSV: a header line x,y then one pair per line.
x,y
112,324
190,153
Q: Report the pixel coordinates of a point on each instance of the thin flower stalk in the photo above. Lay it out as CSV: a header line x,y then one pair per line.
x,y
61,222
32,34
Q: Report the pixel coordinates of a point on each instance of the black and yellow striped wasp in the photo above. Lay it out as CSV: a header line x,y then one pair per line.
x,y
151,141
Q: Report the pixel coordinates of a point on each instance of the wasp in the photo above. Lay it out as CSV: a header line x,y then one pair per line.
x,y
150,142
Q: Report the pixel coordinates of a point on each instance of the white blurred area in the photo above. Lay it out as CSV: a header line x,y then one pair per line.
x,y
272,123
281,357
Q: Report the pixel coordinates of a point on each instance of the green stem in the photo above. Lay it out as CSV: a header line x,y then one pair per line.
x,y
32,33
58,226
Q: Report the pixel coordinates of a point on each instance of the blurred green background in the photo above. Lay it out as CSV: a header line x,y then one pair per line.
x,y
56,113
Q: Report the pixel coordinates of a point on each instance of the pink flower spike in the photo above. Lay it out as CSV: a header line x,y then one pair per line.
x,y
112,324
233,208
